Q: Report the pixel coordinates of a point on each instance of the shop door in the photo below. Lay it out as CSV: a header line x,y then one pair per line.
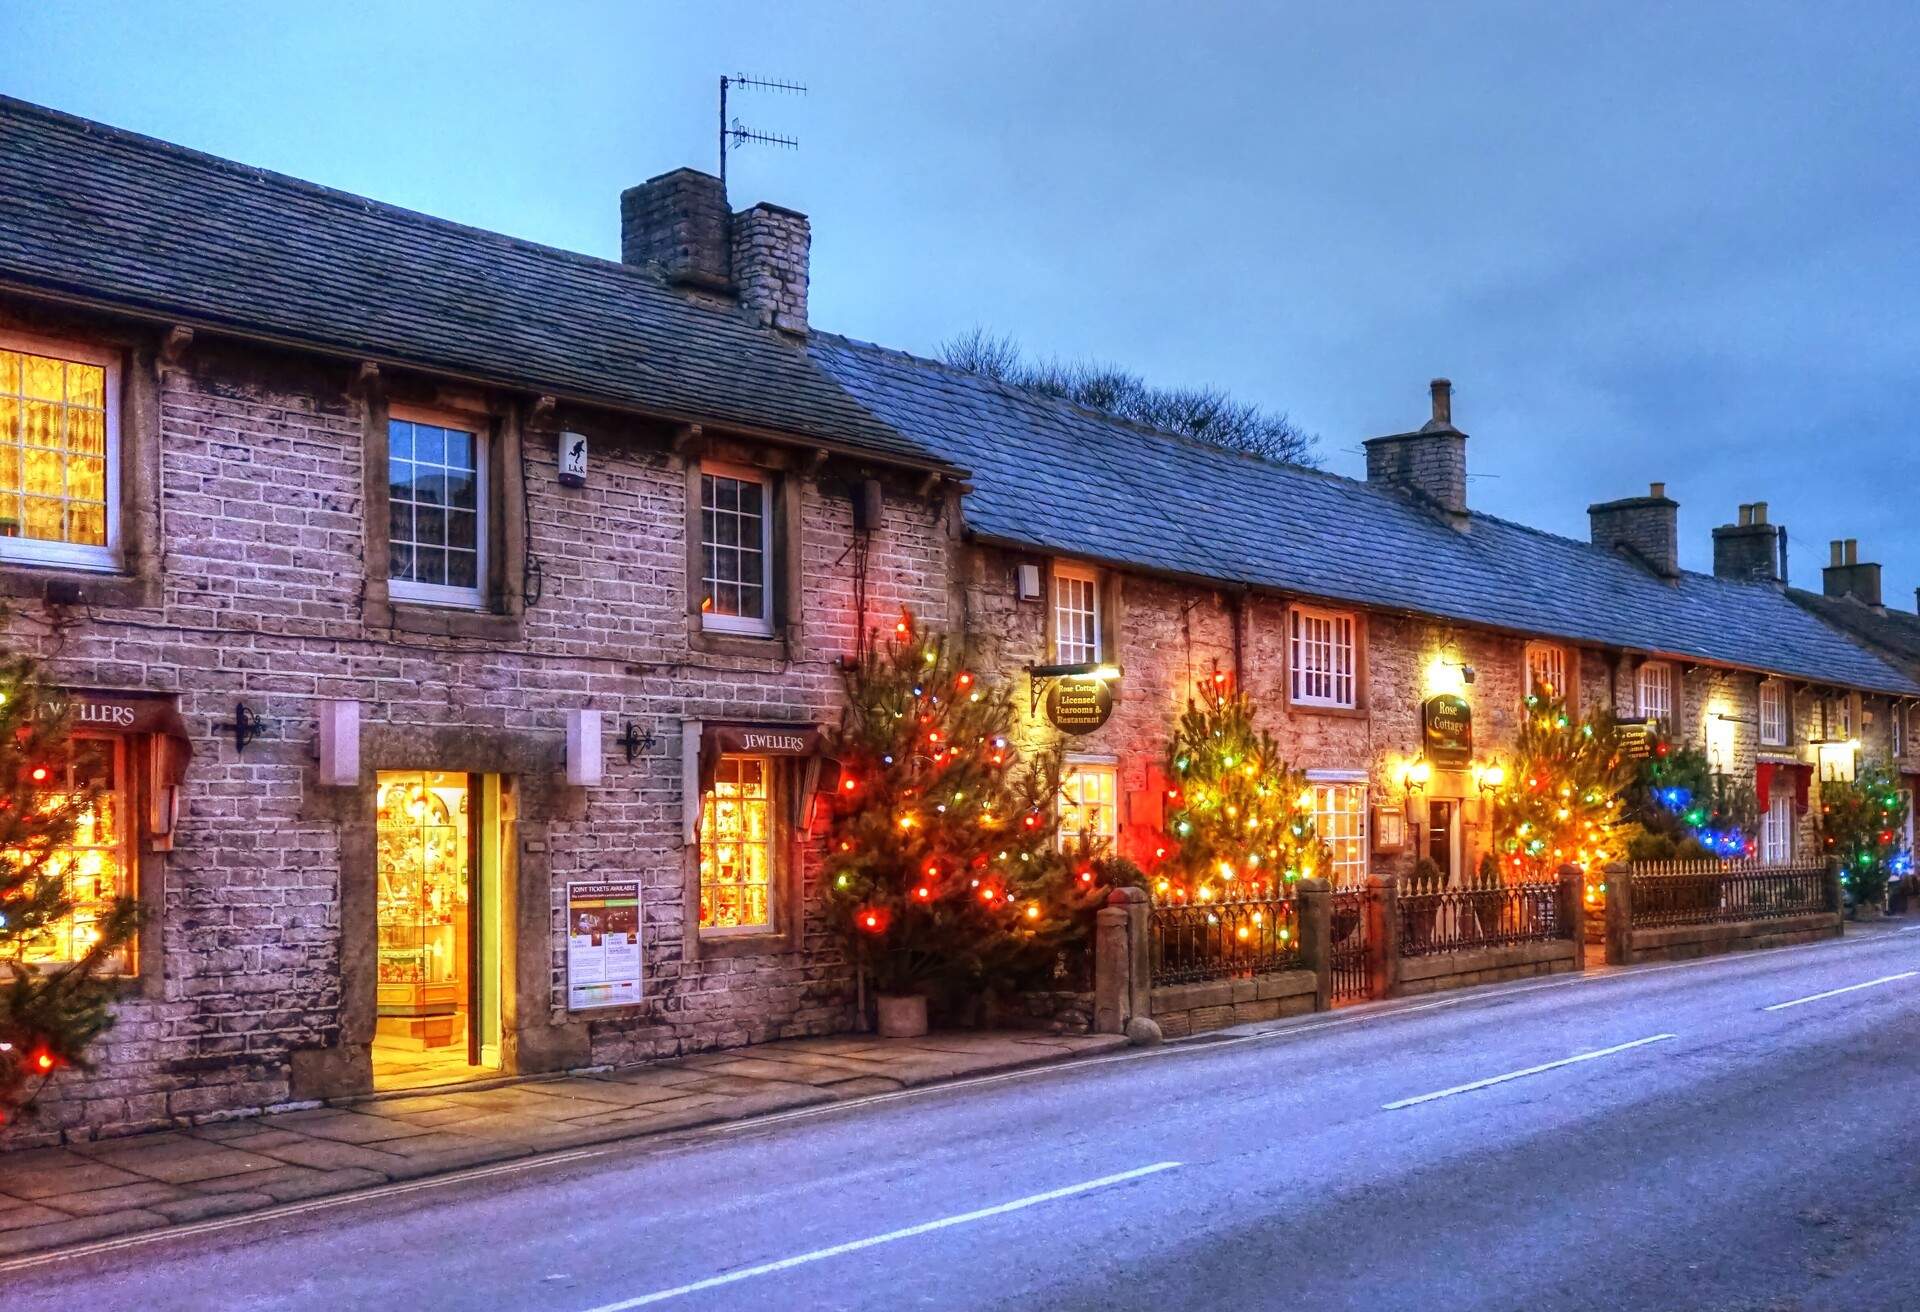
x,y
438,868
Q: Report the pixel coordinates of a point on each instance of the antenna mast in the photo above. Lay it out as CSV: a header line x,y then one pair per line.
x,y
736,134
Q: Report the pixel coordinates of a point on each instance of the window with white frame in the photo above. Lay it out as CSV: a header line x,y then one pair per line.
x,y
1076,615
436,509
1546,670
1839,717
1089,804
1340,821
1654,681
59,453
1322,661
1774,722
737,847
1777,827
736,550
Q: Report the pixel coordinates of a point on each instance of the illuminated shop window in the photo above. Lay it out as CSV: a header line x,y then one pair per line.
x,y
58,462
737,847
1089,804
94,866
1340,820
1777,827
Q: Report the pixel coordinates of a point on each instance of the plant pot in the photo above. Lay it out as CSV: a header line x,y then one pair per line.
x,y
902,1017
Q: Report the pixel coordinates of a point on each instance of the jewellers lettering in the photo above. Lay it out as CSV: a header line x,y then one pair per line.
x,y
786,744
1449,731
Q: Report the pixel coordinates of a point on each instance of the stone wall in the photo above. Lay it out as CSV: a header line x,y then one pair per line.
x,y
1456,970
262,570
1183,1009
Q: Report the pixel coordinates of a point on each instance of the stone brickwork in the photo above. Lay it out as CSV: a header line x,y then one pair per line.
x,y
1647,527
770,253
262,572
680,222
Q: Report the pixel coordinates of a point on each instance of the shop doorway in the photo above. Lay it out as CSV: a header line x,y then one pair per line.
x,y
440,844
1443,839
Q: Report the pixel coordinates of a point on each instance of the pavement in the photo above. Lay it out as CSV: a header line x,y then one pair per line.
x,y
1731,1133
53,1197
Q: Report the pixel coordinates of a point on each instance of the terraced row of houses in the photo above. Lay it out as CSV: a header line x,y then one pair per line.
x,y
453,620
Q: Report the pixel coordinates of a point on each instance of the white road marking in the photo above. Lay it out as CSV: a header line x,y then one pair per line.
x,y
1834,993
892,1236
1531,1070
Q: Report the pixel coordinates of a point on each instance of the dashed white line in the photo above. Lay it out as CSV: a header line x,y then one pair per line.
x,y
891,1236
1834,993
1515,1075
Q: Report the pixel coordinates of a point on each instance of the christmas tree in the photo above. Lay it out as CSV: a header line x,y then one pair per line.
x,y
944,870
54,950
1560,801
1686,811
1240,819
1861,828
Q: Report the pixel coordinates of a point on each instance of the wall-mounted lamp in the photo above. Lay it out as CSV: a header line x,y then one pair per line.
x,y
1489,777
633,740
1415,776
246,726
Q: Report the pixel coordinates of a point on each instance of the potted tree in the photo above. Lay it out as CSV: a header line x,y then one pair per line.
x,y
944,874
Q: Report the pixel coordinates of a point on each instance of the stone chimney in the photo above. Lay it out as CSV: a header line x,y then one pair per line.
x,y
1846,575
770,249
1752,550
1430,465
1646,528
679,223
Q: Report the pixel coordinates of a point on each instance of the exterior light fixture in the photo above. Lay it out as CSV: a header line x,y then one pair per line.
x,y
1415,777
1490,777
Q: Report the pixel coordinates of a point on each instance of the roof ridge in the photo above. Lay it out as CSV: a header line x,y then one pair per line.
x,y
321,191
1081,407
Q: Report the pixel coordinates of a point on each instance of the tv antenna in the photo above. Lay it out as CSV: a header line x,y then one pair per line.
x,y
736,134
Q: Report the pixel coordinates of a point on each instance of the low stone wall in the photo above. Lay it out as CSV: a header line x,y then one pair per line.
x,y
1679,942
1191,1008
1453,970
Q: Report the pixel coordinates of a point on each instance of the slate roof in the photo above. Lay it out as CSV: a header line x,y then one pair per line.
x,y
139,224
1894,633
1058,477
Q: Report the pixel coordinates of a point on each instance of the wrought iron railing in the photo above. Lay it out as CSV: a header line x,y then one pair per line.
x,y
1718,893
1466,919
1197,941
1350,943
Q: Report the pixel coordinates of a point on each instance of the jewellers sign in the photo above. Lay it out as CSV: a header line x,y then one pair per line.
x,y
1448,721
764,739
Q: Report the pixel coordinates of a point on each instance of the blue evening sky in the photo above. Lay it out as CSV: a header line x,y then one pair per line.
x,y
1647,241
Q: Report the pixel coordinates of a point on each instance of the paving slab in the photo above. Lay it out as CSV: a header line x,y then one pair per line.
x,y
351,1127
184,1161
79,1230
98,1202
20,1215
48,1182
198,1207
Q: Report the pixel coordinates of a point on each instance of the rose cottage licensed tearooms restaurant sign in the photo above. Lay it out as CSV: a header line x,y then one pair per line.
x,y
1449,731
1079,705
603,944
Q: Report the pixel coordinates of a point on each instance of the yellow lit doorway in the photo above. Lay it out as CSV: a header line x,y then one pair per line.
x,y
438,865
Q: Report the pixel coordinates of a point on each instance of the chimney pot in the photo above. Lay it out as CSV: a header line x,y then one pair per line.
x,y
1853,551
1759,512
1745,517
1429,464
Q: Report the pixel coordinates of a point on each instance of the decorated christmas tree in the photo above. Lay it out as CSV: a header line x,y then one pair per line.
x,y
1561,799
1686,811
54,949
1861,829
1239,818
944,868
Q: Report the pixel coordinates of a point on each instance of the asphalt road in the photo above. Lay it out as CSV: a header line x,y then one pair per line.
x,y
1754,1159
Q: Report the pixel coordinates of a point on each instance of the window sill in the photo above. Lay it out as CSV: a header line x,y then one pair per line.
x,y
29,579
759,944
718,642
445,621
1336,712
